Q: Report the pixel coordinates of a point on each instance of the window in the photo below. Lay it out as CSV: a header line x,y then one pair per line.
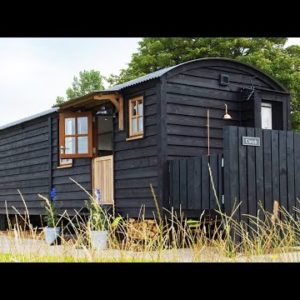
x,y
136,117
75,135
266,115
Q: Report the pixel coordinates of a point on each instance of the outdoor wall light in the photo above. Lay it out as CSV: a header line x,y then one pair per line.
x,y
227,116
102,111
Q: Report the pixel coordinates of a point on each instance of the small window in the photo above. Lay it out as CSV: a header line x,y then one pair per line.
x,y
266,115
75,135
136,117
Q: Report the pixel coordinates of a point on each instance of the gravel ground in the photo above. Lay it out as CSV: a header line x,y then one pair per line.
x,y
33,248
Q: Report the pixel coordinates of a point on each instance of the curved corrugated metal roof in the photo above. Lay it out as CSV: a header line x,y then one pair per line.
x,y
161,72
138,80
41,114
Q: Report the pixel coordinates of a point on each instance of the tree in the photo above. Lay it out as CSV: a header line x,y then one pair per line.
x,y
267,54
87,82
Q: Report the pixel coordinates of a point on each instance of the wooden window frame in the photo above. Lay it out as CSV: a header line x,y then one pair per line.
x,y
140,134
62,135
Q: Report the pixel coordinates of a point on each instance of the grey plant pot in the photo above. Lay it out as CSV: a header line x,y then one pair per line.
x,y
51,234
99,239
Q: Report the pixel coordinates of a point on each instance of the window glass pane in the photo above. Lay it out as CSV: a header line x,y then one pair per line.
x,y
141,127
82,125
134,108
70,145
69,126
83,144
134,126
140,108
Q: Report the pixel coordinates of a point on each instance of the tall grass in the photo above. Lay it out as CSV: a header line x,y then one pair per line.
x,y
175,237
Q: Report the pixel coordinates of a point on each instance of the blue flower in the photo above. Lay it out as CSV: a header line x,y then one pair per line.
x,y
53,194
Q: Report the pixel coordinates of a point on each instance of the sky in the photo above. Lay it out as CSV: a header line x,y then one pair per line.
x,y
34,71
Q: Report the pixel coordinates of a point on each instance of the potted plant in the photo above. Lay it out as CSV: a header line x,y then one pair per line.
x,y
52,231
98,225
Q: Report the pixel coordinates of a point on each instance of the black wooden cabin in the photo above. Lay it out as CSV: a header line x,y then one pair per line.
x,y
117,142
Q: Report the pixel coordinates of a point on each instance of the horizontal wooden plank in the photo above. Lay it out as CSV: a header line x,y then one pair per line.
x,y
24,163
197,121
24,190
136,163
181,89
203,102
133,193
193,131
136,144
24,177
24,128
136,153
26,183
136,183
24,149
26,156
24,170
192,141
187,110
82,178
139,204
137,173
84,169
234,77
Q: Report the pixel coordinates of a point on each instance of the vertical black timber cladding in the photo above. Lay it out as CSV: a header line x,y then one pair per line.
x,y
267,170
252,201
227,178
259,169
205,187
171,174
183,183
175,184
190,183
275,165
50,152
232,168
282,169
162,160
214,181
220,190
297,168
242,162
196,204
290,171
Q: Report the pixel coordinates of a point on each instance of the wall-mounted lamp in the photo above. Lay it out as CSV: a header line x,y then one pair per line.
x,y
227,116
102,111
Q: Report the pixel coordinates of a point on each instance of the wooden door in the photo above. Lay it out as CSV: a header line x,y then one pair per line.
x,y
103,178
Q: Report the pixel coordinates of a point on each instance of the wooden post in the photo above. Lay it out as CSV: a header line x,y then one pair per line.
x,y
121,113
275,212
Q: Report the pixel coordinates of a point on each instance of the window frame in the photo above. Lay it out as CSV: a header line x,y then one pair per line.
x,y
139,134
62,134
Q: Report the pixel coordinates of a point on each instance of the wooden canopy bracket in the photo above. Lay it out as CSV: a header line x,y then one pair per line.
x,y
118,102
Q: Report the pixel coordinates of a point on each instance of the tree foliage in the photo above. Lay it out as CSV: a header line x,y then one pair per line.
x,y
267,54
87,82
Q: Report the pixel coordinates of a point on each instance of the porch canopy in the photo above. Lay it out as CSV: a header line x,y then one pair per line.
x,y
94,99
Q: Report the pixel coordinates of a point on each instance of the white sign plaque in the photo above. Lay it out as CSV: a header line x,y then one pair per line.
x,y
251,141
